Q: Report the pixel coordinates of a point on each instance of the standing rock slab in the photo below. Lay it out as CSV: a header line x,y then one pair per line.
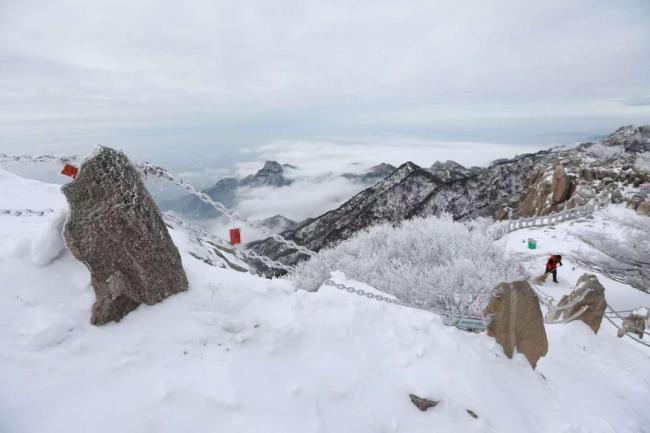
x,y
561,185
116,229
589,292
517,321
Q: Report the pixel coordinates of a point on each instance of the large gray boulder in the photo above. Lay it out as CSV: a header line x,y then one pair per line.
x,y
588,292
116,229
517,321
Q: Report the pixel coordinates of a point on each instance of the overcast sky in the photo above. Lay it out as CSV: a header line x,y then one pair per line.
x,y
218,76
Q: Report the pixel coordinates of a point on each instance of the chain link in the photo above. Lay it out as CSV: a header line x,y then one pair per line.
x,y
61,159
369,295
149,170
202,233
26,212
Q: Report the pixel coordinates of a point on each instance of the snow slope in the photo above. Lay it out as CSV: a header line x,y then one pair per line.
x,y
238,353
564,239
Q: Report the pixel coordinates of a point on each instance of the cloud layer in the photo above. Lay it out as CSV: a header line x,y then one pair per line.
x,y
154,73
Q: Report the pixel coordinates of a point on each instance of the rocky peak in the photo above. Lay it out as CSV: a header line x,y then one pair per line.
x,y
271,167
447,165
271,174
450,170
633,139
378,172
372,175
278,223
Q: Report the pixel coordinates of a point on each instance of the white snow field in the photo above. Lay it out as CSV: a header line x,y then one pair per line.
x,y
239,353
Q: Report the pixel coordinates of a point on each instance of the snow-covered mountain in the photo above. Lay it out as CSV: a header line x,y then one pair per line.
x,y
520,186
451,170
242,353
278,224
271,175
225,191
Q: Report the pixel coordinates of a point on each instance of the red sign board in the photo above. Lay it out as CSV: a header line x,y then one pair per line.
x,y
70,170
235,236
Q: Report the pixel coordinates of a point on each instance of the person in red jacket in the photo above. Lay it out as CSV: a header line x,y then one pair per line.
x,y
552,264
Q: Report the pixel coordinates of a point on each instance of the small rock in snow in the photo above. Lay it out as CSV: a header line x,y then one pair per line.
x,y
423,403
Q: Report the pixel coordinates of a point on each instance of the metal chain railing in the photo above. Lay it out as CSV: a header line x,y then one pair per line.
x,y
202,233
416,305
554,309
161,173
567,319
609,319
369,295
614,313
26,212
60,159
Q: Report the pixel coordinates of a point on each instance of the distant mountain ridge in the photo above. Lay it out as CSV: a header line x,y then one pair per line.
x,y
518,186
272,174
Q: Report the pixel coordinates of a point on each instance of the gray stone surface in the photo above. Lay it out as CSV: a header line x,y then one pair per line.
x,y
517,321
116,229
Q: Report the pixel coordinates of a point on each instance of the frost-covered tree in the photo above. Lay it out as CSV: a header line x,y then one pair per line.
x,y
435,261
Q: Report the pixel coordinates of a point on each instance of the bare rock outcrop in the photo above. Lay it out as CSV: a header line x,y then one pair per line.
x,y
535,198
588,292
116,229
561,185
517,321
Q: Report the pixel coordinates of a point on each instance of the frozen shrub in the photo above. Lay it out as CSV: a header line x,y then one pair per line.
x,y
433,260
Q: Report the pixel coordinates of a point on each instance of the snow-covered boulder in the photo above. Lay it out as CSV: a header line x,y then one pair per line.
x,y
116,229
588,292
517,322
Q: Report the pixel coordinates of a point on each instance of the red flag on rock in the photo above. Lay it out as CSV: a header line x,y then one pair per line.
x,y
70,170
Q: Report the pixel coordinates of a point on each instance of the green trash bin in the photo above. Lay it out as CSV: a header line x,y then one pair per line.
x,y
532,244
